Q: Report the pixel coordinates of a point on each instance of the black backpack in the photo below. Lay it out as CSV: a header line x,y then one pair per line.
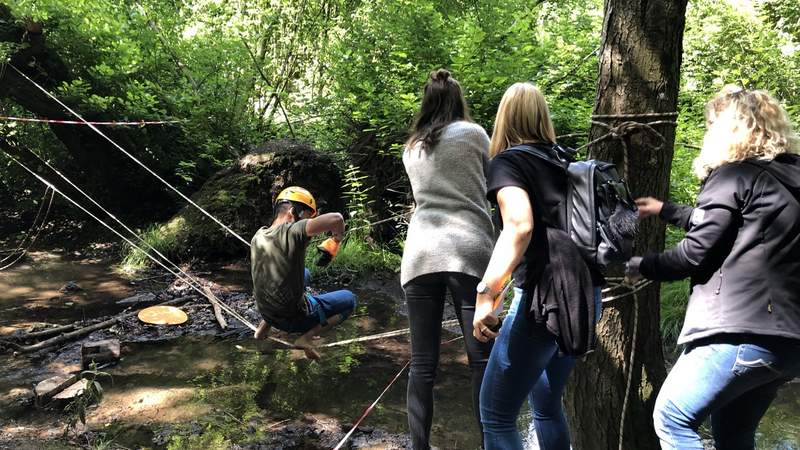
x,y
596,226
600,212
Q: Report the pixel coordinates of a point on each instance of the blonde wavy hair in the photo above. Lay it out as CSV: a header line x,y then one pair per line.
x,y
523,116
743,124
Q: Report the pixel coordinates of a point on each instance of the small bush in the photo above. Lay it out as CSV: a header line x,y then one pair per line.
x,y
160,237
357,255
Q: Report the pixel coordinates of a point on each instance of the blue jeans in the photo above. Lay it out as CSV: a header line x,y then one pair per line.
x,y
732,378
320,307
525,364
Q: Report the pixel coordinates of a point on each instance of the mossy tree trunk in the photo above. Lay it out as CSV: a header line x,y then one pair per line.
x,y
640,61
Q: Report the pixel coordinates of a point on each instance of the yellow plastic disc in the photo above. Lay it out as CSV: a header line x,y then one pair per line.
x,y
163,315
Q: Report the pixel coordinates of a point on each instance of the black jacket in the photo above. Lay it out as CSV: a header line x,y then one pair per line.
x,y
741,250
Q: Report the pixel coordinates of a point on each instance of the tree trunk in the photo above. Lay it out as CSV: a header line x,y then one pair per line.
x,y
640,60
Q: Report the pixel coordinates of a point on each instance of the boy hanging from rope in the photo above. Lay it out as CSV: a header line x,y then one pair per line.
x,y
280,277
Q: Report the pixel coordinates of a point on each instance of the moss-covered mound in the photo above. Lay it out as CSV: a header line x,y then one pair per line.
x,y
241,196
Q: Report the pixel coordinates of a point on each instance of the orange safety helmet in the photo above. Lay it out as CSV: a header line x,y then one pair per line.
x,y
299,195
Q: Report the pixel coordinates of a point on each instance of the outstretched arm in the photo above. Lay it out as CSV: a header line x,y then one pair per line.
x,y
678,215
329,222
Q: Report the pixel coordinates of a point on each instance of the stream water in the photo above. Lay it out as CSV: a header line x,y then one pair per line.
x,y
227,389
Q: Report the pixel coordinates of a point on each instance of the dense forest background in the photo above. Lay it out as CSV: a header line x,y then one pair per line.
x,y
346,76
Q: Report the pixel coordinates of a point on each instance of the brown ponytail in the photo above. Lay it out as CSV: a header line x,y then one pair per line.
x,y
442,104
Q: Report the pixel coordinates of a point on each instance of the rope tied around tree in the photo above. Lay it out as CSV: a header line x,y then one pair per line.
x,y
633,123
630,124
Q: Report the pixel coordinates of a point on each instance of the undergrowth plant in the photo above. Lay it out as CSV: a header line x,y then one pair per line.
x,y
359,253
92,393
160,237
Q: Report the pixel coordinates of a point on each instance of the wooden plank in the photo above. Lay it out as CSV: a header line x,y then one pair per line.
x,y
217,310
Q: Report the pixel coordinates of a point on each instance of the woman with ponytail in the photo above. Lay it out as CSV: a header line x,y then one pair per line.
x,y
449,240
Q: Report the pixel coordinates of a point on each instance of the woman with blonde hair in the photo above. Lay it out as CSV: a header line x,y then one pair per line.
x,y
525,361
742,253
449,239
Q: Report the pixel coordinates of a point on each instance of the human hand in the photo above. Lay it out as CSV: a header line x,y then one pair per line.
x,y
485,323
632,273
648,206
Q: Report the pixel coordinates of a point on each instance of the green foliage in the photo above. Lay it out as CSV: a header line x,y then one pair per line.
x,y
356,191
674,297
163,238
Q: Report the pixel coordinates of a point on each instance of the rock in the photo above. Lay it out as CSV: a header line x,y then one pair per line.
x,y
72,391
71,286
47,389
144,298
100,352
242,195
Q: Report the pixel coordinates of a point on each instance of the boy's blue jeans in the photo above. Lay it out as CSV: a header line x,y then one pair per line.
x,y
320,308
732,378
525,364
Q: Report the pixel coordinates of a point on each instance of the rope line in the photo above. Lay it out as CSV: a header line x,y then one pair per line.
x,y
380,396
373,337
33,235
632,290
128,154
635,116
631,125
629,383
180,274
191,278
112,123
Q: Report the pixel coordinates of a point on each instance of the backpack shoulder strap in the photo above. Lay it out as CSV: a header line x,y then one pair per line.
x,y
551,155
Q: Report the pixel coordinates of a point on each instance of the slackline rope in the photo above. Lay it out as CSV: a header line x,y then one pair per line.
x,y
631,125
140,239
183,276
380,396
33,232
128,154
113,123
137,161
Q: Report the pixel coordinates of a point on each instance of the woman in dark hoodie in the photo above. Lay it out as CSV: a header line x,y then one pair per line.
x,y
742,252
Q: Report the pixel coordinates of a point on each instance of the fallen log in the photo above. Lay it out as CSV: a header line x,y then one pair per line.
x,y
217,310
91,328
36,335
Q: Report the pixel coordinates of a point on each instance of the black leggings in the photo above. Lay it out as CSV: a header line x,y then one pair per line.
x,y
425,296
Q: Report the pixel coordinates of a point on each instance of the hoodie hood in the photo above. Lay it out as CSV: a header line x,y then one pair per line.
x,y
786,169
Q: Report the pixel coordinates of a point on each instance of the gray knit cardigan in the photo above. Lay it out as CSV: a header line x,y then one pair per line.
x,y
451,229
